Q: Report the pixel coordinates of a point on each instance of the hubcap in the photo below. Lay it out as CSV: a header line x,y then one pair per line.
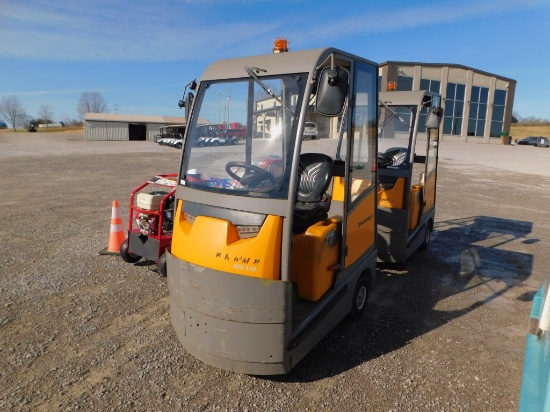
x,y
361,297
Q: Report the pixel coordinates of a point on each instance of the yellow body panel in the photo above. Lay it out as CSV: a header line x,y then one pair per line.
x,y
314,255
215,243
393,198
415,205
361,229
338,189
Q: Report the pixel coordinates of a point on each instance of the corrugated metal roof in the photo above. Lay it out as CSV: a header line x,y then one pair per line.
x,y
133,118
136,118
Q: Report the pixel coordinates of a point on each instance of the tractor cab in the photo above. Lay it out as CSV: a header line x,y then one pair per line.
x,y
274,238
408,143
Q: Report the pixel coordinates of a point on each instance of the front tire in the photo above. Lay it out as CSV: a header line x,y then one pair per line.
x,y
127,256
161,266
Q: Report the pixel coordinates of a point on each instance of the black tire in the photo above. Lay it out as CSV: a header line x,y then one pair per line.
x,y
161,266
179,146
427,236
127,256
359,298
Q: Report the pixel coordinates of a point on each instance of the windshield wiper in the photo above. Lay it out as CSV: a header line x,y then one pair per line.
x,y
251,73
395,114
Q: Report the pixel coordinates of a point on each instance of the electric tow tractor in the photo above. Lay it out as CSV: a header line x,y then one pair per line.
x,y
408,131
150,221
274,239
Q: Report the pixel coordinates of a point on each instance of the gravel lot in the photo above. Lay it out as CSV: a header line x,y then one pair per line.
x,y
83,331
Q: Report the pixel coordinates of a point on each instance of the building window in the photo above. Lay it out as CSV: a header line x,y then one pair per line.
x,y
404,83
431,85
454,109
498,113
478,111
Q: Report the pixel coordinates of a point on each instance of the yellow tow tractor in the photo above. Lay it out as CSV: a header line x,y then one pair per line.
x,y
408,131
274,238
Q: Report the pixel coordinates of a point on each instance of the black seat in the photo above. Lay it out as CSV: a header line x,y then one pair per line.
x,y
312,201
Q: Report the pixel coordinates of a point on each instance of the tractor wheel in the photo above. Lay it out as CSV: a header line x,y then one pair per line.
x,y
427,236
161,266
127,256
359,298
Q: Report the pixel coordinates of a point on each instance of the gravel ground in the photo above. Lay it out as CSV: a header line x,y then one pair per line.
x,y
83,331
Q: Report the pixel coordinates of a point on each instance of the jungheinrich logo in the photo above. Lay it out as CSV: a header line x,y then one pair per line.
x,y
365,220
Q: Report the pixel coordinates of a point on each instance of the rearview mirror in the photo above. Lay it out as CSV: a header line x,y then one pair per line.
x,y
433,119
332,91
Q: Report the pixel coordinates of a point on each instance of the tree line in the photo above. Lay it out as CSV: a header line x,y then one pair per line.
x,y
13,112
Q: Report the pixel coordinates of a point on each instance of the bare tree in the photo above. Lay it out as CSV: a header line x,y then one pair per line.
x,y
91,102
46,114
12,111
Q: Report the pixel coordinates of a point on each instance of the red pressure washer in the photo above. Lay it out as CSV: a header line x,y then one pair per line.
x,y
151,221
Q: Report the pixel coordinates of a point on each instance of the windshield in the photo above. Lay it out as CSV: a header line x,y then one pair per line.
x,y
395,126
255,160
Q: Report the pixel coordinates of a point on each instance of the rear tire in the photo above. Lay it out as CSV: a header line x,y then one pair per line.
x,y
359,298
127,256
427,236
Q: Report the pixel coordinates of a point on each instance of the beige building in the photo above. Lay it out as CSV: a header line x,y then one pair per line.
x,y
477,105
114,126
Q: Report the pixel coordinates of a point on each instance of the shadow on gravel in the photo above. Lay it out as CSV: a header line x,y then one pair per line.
x,y
464,256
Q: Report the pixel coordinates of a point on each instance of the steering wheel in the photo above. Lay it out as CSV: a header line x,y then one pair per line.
x,y
253,179
384,159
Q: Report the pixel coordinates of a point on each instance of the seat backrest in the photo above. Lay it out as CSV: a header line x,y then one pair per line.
x,y
315,172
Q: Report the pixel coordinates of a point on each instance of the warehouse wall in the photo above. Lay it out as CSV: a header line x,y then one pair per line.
x,y
97,130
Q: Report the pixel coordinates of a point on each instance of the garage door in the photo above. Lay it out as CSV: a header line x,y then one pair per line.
x,y
137,131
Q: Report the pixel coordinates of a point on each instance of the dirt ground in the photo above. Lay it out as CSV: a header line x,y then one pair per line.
x,y
84,331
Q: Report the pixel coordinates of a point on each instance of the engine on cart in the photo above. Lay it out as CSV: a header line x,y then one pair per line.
x,y
148,223
151,221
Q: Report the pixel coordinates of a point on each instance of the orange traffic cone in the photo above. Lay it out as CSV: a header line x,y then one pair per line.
x,y
117,235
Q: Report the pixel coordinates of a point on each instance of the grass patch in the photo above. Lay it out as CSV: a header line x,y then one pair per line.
x,y
45,129
520,131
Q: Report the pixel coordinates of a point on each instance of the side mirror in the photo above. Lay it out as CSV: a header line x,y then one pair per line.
x,y
187,104
433,118
332,91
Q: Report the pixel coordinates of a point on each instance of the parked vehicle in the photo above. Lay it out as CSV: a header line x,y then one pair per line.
x,y
535,391
32,126
537,141
310,130
169,134
266,259
234,136
408,144
275,240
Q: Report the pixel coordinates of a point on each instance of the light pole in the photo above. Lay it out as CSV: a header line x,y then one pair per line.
x,y
228,100
219,98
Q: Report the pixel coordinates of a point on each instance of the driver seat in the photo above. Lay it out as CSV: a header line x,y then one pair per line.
x,y
312,201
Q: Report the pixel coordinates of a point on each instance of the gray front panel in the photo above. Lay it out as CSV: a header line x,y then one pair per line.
x,y
393,225
228,320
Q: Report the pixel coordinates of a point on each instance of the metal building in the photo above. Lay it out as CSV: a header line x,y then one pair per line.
x,y
110,126
478,105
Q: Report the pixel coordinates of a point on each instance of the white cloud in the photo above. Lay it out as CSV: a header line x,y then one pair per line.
x,y
181,30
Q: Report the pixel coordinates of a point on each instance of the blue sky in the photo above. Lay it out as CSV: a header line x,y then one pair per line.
x,y
139,54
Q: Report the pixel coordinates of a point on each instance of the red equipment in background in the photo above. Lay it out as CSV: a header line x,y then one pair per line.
x,y
150,221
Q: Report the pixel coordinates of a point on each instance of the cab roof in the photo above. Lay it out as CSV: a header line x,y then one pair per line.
x,y
276,63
